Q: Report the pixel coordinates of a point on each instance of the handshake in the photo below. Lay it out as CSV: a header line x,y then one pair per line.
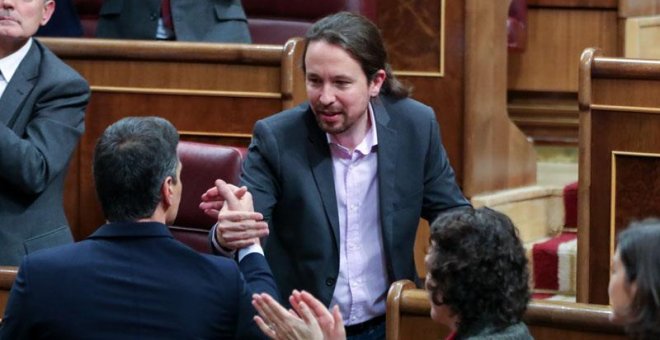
x,y
238,226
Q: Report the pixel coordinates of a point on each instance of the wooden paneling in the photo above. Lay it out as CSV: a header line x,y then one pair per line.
x,y
546,117
635,189
213,119
421,52
637,8
210,92
556,37
619,113
425,21
558,30
469,95
215,92
641,38
497,153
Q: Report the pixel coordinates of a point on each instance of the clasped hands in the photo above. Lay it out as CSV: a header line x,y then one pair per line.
x,y
238,225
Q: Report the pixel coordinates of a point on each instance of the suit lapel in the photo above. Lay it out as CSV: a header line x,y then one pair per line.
x,y
320,161
20,86
388,150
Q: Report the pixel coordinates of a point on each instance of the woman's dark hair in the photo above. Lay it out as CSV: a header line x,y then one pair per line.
x,y
478,265
639,251
361,39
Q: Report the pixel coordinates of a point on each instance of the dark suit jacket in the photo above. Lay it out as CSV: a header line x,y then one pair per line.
x,y
194,20
41,120
63,23
134,281
289,172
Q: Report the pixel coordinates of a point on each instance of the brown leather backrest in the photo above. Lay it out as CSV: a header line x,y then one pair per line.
x,y
7,277
202,164
516,25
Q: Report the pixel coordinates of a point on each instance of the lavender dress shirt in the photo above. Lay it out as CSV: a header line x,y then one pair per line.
x,y
362,282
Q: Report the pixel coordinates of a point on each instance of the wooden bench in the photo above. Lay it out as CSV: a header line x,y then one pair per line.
x,y
7,277
408,317
619,162
214,93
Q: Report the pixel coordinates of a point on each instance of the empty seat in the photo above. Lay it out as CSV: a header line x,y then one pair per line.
x,y
202,165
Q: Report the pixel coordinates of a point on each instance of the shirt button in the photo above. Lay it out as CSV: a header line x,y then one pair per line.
x,y
330,282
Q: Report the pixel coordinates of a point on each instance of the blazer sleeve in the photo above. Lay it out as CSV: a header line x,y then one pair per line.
x,y
256,278
258,175
260,171
441,192
31,161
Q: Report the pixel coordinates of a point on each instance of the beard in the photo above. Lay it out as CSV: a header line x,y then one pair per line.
x,y
333,128
337,121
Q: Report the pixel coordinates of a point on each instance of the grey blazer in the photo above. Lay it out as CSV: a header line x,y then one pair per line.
x,y
288,170
194,20
41,120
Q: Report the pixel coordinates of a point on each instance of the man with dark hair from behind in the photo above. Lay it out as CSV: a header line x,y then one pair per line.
x,y
130,278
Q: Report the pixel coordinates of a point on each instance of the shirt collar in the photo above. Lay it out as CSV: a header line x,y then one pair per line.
x,y
370,139
9,64
132,229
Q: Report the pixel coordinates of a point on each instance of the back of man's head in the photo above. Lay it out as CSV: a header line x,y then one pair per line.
x,y
131,160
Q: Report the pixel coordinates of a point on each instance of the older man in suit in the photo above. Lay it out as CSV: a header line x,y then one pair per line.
x,y
344,178
42,106
185,20
131,279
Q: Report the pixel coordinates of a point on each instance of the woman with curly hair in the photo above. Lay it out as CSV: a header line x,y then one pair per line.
x,y
477,275
477,279
634,287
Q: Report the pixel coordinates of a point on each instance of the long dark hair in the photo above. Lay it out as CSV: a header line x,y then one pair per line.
x,y
639,250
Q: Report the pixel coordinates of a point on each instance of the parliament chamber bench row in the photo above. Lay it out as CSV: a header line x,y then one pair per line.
x,y
221,90
408,315
276,21
619,100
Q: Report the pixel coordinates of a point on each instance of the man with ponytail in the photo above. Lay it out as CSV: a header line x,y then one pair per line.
x,y
343,179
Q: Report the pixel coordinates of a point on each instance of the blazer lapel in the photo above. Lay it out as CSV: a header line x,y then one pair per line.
x,y
320,161
388,151
20,86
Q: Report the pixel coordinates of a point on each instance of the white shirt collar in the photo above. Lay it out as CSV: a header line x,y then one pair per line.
x,y
9,64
